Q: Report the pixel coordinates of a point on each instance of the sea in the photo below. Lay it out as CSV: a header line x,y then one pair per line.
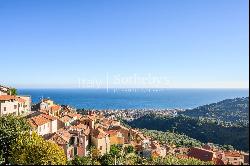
x,y
134,98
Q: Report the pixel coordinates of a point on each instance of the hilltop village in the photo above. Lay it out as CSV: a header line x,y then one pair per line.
x,y
76,132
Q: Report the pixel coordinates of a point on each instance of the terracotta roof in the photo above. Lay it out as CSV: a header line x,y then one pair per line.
x,y
20,100
99,133
55,108
61,137
7,97
232,154
65,119
81,127
112,132
10,97
40,120
78,116
49,117
201,154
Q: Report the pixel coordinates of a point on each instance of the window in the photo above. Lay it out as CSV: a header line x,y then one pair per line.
x,y
15,106
4,108
75,151
40,129
100,147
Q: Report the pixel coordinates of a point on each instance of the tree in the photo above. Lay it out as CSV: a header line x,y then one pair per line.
x,y
107,159
30,149
85,160
12,91
95,155
115,150
172,160
129,149
10,128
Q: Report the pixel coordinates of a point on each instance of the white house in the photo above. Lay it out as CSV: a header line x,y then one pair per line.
x,y
43,124
17,105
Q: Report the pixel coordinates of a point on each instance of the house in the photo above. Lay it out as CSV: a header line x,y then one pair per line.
x,y
55,110
157,149
233,158
83,133
64,121
115,137
16,105
74,140
201,154
100,140
27,104
124,131
246,158
63,139
43,124
89,121
4,90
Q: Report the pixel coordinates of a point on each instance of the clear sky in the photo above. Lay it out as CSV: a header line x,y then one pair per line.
x,y
59,43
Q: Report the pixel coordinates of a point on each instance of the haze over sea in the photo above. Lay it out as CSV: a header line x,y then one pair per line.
x,y
135,98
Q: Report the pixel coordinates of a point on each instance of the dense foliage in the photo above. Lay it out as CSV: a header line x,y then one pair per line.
x,y
10,128
30,149
173,160
235,111
179,140
203,130
18,146
120,156
12,91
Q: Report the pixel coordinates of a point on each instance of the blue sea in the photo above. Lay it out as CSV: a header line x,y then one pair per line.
x,y
135,98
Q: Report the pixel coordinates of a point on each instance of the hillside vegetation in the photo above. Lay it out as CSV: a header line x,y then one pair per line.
x,y
231,110
227,129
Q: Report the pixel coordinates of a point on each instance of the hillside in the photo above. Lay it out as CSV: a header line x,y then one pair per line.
x,y
230,110
230,128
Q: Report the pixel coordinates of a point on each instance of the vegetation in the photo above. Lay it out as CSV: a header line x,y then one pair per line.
x,y
12,91
30,149
234,111
170,138
86,160
11,127
173,160
203,130
18,146
123,156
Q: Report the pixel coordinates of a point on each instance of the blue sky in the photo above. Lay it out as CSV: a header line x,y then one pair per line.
x,y
192,43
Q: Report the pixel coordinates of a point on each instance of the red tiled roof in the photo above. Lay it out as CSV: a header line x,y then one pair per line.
x,y
201,154
7,97
232,154
55,108
65,119
61,137
99,133
10,97
40,120
111,132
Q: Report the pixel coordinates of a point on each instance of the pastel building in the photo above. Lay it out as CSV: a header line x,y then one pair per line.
x,y
16,105
100,140
43,124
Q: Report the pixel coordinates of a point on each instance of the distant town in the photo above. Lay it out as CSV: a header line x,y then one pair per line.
x,y
75,131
